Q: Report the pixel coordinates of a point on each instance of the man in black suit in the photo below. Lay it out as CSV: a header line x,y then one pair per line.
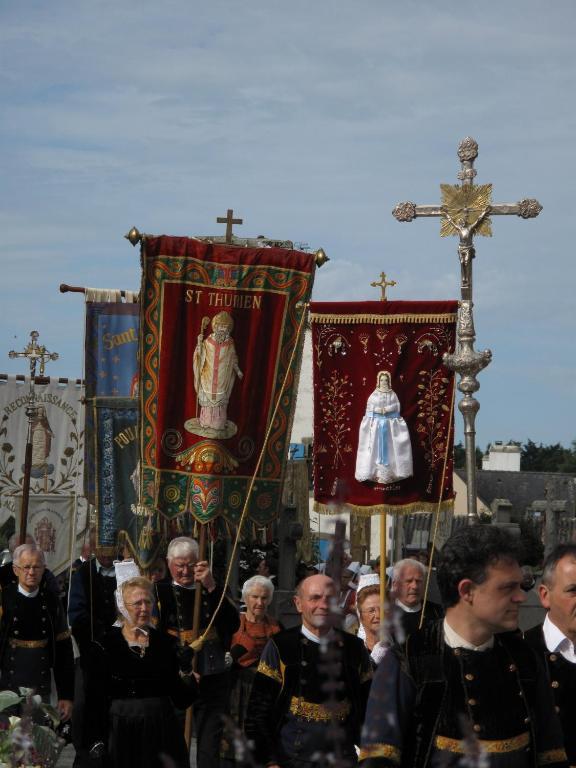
x,y
176,600
408,584
554,639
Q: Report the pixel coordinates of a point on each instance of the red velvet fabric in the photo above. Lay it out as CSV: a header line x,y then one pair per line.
x,y
185,284
352,343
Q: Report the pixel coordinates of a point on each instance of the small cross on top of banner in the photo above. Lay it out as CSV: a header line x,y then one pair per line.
x,y
229,220
383,284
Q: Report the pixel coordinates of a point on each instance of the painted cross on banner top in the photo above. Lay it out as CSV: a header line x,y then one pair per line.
x,y
465,212
229,220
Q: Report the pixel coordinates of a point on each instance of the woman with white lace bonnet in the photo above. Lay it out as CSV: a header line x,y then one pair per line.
x,y
133,685
368,605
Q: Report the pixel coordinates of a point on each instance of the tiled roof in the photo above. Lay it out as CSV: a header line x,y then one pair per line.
x,y
522,488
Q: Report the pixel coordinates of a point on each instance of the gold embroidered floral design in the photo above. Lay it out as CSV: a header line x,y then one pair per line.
x,y
320,713
400,340
364,338
381,750
334,405
267,670
493,746
326,334
430,428
551,756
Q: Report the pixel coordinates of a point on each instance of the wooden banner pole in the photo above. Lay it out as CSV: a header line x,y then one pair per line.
x,y
196,627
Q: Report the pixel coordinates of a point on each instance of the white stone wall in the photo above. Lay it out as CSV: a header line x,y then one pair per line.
x,y
504,458
302,426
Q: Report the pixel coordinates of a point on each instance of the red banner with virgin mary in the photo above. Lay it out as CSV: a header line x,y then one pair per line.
x,y
383,400
221,343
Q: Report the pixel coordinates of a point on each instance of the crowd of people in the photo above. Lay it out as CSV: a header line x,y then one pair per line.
x,y
422,685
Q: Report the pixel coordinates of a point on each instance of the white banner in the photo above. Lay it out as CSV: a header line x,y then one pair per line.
x,y
51,522
57,450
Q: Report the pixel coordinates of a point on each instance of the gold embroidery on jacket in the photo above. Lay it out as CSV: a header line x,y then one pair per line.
x,y
320,713
265,669
494,746
381,750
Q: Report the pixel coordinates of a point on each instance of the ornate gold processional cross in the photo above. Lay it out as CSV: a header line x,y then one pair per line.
x,y
383,284
35,353
229,220
465,212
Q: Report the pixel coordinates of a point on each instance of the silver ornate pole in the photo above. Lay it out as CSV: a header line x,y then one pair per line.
x,y
35,353
464,212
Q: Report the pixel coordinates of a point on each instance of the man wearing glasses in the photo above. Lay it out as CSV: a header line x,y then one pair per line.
x,y
34,635
176,617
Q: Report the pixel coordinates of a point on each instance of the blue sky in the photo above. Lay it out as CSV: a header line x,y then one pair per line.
x,y
311,120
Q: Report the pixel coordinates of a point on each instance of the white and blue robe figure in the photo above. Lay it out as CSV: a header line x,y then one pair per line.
x,y
384,447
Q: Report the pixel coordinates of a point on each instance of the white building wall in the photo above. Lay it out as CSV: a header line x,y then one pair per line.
x,y
302,426
504,458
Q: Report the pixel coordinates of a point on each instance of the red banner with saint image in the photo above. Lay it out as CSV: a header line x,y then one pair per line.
x,y
219,326
383,399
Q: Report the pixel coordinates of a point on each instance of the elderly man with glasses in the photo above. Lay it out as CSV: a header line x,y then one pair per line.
x,y
34,635
176,617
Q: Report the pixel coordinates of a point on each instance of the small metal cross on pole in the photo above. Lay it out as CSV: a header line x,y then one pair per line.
x,y
35,353
464,212
383,284
229,220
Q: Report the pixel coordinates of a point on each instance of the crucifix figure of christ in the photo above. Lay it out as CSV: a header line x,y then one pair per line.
x,y
35,353
383,284
229,220
465,212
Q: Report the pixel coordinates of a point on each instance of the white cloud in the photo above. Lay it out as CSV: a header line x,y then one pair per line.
x,y
312,120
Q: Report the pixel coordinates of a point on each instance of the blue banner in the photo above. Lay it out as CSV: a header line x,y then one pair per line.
x,y
116,439
111,371
111,349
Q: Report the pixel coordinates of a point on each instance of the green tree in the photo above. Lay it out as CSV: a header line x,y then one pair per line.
x,y
548,458
460,456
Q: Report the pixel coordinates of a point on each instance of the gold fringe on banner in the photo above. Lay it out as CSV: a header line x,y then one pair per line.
x,y
390,509
449,317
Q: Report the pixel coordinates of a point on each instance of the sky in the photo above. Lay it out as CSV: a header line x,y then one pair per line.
x,y
311,120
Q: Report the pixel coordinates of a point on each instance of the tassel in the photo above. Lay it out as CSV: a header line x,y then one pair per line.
x,y
197,644
146,537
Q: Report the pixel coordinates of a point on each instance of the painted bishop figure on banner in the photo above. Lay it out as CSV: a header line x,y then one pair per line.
x,y
215,371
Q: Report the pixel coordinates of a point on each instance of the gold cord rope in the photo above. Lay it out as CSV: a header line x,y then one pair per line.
x,y
437,517
197,644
